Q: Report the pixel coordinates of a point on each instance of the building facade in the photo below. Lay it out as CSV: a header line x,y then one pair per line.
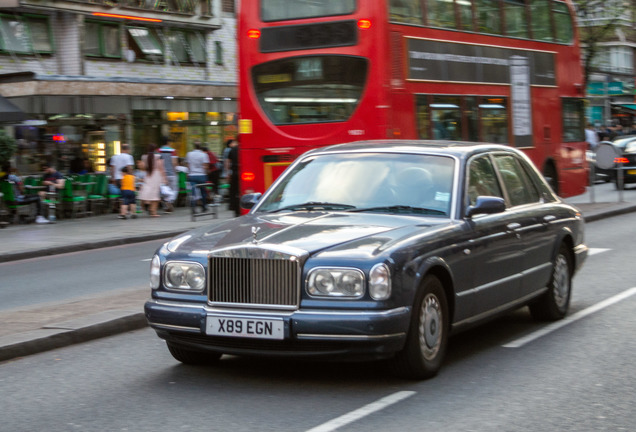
x,y
94,74
610,85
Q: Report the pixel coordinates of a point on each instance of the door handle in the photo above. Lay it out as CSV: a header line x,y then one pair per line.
x,y
549,218
513,226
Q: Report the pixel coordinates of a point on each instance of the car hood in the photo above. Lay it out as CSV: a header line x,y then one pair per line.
x,y
312,232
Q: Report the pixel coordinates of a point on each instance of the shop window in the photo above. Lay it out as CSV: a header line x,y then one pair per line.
x,y
102,40
187,47
228,6
25,34
218,51
145,43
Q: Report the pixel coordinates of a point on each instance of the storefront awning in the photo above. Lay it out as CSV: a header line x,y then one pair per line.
x,y
10,113
631,106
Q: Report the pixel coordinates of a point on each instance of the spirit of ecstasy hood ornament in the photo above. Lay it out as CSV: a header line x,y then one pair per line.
x,y
255,231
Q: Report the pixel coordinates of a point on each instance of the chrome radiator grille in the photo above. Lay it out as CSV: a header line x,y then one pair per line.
x,y
254,281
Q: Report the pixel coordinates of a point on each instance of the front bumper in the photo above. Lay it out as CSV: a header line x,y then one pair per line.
x,y
347,334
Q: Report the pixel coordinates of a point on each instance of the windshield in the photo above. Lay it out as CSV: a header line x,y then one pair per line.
x,y
310,89
279,10
386,183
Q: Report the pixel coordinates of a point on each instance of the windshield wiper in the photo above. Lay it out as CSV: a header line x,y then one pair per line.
x,y
315,205
400,209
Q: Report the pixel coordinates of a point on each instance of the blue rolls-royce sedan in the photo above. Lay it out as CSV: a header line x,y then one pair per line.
x,y
376,249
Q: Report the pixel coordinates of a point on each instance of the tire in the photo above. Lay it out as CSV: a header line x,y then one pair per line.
x,y
554,304
192,357
427,338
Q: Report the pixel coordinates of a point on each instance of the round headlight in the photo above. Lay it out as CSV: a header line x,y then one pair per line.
x,y
195,278
380,282
155,272
175,276
323,282
351,284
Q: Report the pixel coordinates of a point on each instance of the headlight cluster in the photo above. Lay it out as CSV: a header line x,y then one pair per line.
x,y
184,276
155,272
349,282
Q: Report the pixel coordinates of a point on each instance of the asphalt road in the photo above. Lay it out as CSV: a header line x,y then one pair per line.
x,y
510,375
58,278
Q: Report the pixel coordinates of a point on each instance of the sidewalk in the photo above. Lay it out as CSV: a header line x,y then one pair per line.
x,y
26,331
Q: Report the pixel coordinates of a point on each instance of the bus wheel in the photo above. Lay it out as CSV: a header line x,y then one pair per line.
x,y
550,174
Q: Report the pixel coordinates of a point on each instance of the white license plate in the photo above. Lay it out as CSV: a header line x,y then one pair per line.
x,y
257,328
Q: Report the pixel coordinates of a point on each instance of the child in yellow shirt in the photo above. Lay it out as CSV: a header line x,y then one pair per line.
x,y
128,194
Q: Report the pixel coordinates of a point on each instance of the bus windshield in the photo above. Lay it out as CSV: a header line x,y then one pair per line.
x,y
310,89
279,10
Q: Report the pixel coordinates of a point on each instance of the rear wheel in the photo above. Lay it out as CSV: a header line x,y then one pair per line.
x,y
427,339
191,356
554,304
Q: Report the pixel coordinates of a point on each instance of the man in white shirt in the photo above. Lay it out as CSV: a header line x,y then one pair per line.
x,y
591,136
118,161
197,161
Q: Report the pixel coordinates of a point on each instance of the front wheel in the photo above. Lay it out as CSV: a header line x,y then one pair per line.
x,y
427,339
192,357
554,304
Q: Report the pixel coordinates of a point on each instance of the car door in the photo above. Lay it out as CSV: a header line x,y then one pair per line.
x,y
492,255
531,217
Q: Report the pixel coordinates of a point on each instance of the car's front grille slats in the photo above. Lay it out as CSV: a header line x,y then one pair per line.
x,y
253,281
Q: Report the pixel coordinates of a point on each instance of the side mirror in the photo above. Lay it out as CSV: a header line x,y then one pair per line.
x,y
486,205
249,200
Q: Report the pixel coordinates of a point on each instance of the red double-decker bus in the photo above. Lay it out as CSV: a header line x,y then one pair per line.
x,y
314,73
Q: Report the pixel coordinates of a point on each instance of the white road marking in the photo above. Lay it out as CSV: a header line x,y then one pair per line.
x,y
146,260
569,320
366,410
594,251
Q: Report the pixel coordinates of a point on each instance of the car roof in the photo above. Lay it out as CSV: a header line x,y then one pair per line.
x,y
459,149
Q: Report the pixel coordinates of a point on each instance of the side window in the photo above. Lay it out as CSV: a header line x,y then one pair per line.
x,y
482,180
520,188
573,120
405,11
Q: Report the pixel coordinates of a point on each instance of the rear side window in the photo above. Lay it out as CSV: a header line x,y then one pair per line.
x,y
482,180
520,188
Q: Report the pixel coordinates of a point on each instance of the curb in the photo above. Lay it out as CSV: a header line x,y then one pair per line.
x,y
69,333
87,246
609,213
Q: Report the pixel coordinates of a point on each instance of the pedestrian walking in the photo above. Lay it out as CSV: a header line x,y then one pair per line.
x,y
197,161
150,192
232,172
170,161
118,161
128,194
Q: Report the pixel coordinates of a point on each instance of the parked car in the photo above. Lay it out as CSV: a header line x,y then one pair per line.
x,y
377,249
625,159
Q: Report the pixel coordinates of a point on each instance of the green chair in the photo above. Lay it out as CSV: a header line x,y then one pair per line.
x,y
96,200
16,209
183,189
74,198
